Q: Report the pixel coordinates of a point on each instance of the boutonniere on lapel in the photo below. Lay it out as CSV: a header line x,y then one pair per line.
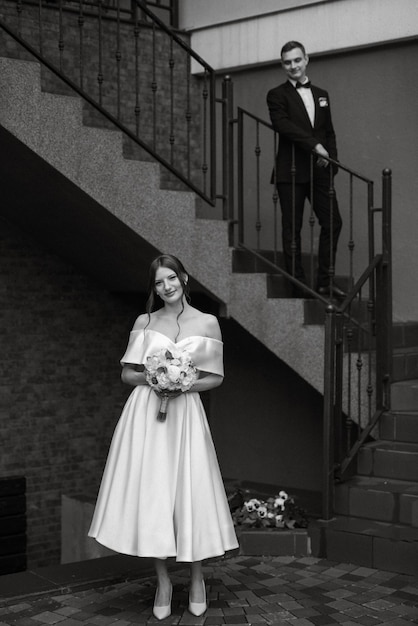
x,y
323,102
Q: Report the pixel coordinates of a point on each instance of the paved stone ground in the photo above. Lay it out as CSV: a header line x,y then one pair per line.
x,y
288,591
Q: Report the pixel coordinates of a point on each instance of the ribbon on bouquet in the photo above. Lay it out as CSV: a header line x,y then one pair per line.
x,y
162,414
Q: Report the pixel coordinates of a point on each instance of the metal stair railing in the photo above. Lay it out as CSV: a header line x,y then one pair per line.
x,y
167,9
258,213
132,70
358,331
371,348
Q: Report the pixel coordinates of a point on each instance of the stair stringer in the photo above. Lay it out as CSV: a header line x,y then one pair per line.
x,y
92,158
279,324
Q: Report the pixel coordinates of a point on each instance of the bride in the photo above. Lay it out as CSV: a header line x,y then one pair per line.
x,y
162,493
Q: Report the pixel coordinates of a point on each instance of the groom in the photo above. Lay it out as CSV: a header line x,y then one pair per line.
x,y
300,113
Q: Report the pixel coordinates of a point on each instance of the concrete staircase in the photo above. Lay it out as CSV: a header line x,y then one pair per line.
x,y
376,522
92,160
116,197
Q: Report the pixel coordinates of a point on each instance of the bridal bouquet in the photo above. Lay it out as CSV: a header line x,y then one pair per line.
x,y
170,371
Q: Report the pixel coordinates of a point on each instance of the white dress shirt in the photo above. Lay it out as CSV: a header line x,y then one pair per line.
x,y
307,98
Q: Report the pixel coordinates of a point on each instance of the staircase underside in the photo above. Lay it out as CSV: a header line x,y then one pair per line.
x,y
68,222
72,187
46,205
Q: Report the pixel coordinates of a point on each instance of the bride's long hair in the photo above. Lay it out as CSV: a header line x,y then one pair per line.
x,y
173,263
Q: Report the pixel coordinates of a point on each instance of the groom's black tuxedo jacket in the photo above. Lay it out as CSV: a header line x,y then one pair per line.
x,y
290,119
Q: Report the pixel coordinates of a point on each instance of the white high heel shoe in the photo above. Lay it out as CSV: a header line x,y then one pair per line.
x,y
161,612
198,608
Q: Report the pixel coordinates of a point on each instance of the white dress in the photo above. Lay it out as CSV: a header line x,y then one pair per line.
x,y
162,493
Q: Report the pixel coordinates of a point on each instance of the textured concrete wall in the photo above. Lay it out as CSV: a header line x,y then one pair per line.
x,y
76,545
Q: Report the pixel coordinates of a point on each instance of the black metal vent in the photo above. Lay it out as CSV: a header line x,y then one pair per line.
x,y
12,524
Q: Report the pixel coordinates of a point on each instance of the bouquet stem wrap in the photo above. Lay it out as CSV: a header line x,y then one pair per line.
x,y
162,414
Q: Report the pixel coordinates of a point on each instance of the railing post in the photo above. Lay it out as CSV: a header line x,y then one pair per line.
x,y
228,155
240,176
174,14
328,414
338,436
387,282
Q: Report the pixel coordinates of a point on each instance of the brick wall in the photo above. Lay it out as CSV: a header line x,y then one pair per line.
x,y
61,337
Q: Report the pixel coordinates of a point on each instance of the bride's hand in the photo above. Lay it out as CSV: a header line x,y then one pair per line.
x,y
168,394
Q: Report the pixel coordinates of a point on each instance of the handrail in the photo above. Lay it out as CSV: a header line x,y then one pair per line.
x,y
368,272
349,170
94,104
143,6
171,8
357,329
261,150
184,170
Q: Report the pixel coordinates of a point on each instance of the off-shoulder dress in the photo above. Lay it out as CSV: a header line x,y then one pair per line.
x,y
162,493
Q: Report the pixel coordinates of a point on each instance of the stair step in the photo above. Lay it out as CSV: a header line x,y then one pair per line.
x,y
404,395
389,460
399,426
378,545
315,314
279,287
405,363
245,262
405,334
379,499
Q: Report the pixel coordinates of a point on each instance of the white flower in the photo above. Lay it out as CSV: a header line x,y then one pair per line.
x,y
279,519
252,505
163,381
283,494
262,511
187,380
173,373
279,503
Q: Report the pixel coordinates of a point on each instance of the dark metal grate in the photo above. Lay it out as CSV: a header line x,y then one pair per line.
x,y
12,524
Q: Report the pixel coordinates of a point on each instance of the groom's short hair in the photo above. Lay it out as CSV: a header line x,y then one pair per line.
x,y
291,45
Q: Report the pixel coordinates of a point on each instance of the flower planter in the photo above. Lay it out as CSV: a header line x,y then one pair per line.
x,y
273,542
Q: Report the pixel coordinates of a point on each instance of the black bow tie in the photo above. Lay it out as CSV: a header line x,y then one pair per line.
x,y
307,84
